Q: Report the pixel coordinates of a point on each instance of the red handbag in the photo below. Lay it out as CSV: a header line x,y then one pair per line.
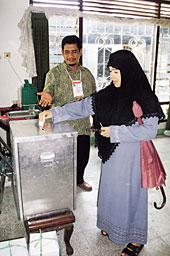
x,y
152,171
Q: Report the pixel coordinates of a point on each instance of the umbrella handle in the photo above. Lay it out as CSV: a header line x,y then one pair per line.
x,y
164,199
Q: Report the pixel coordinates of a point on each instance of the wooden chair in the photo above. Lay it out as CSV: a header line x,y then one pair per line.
x,y
52,221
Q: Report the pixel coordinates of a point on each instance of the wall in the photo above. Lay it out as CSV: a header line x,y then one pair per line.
x,y
11,13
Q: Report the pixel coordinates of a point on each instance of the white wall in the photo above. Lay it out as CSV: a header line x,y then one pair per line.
x,y
11,13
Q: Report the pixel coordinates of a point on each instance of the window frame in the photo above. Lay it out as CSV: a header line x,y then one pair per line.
x,y
118,8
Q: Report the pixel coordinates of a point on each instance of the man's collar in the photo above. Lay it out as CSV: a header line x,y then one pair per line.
x,y
70,69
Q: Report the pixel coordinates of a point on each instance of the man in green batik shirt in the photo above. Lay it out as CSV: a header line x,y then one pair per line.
x,y
70,82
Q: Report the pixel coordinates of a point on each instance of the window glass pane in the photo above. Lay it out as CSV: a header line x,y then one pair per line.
x,y
59,27
110,37
134,29
109,28
126,29
163,68
141,30
117,28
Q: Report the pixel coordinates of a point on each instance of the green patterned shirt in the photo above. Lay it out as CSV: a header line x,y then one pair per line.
x,y
59,86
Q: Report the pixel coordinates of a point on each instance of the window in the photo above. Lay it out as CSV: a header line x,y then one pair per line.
x,y
162,85
100,38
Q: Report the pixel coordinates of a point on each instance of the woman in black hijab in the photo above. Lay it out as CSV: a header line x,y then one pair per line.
x,y
114,104
122,203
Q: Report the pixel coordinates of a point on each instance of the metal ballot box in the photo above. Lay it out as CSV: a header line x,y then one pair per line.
x,y
44,162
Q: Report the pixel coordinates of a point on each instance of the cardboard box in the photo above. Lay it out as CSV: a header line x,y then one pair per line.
x,y
16,247
44,244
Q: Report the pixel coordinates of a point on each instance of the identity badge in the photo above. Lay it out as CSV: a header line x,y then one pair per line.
x,y
77,89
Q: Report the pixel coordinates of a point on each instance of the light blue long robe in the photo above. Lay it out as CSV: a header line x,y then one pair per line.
x,y
122,203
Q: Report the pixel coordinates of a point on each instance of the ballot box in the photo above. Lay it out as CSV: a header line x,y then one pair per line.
x,y
44,163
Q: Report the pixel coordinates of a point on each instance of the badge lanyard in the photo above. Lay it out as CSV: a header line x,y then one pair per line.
x,y
77,86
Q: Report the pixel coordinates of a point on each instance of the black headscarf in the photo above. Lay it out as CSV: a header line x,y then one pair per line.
x,y
113,106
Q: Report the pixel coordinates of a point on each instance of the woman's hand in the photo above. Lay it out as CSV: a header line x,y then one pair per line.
x,y
105,131
45,115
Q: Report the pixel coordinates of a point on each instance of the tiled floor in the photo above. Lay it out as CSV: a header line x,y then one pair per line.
x,y
86,238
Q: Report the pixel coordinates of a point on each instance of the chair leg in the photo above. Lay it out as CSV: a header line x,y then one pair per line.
x,y
27,234
67,235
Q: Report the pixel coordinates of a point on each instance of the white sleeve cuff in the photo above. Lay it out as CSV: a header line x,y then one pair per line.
x,y
114,133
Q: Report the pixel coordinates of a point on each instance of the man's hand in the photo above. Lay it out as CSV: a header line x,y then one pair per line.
x,y
105,131
46,98
45,115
